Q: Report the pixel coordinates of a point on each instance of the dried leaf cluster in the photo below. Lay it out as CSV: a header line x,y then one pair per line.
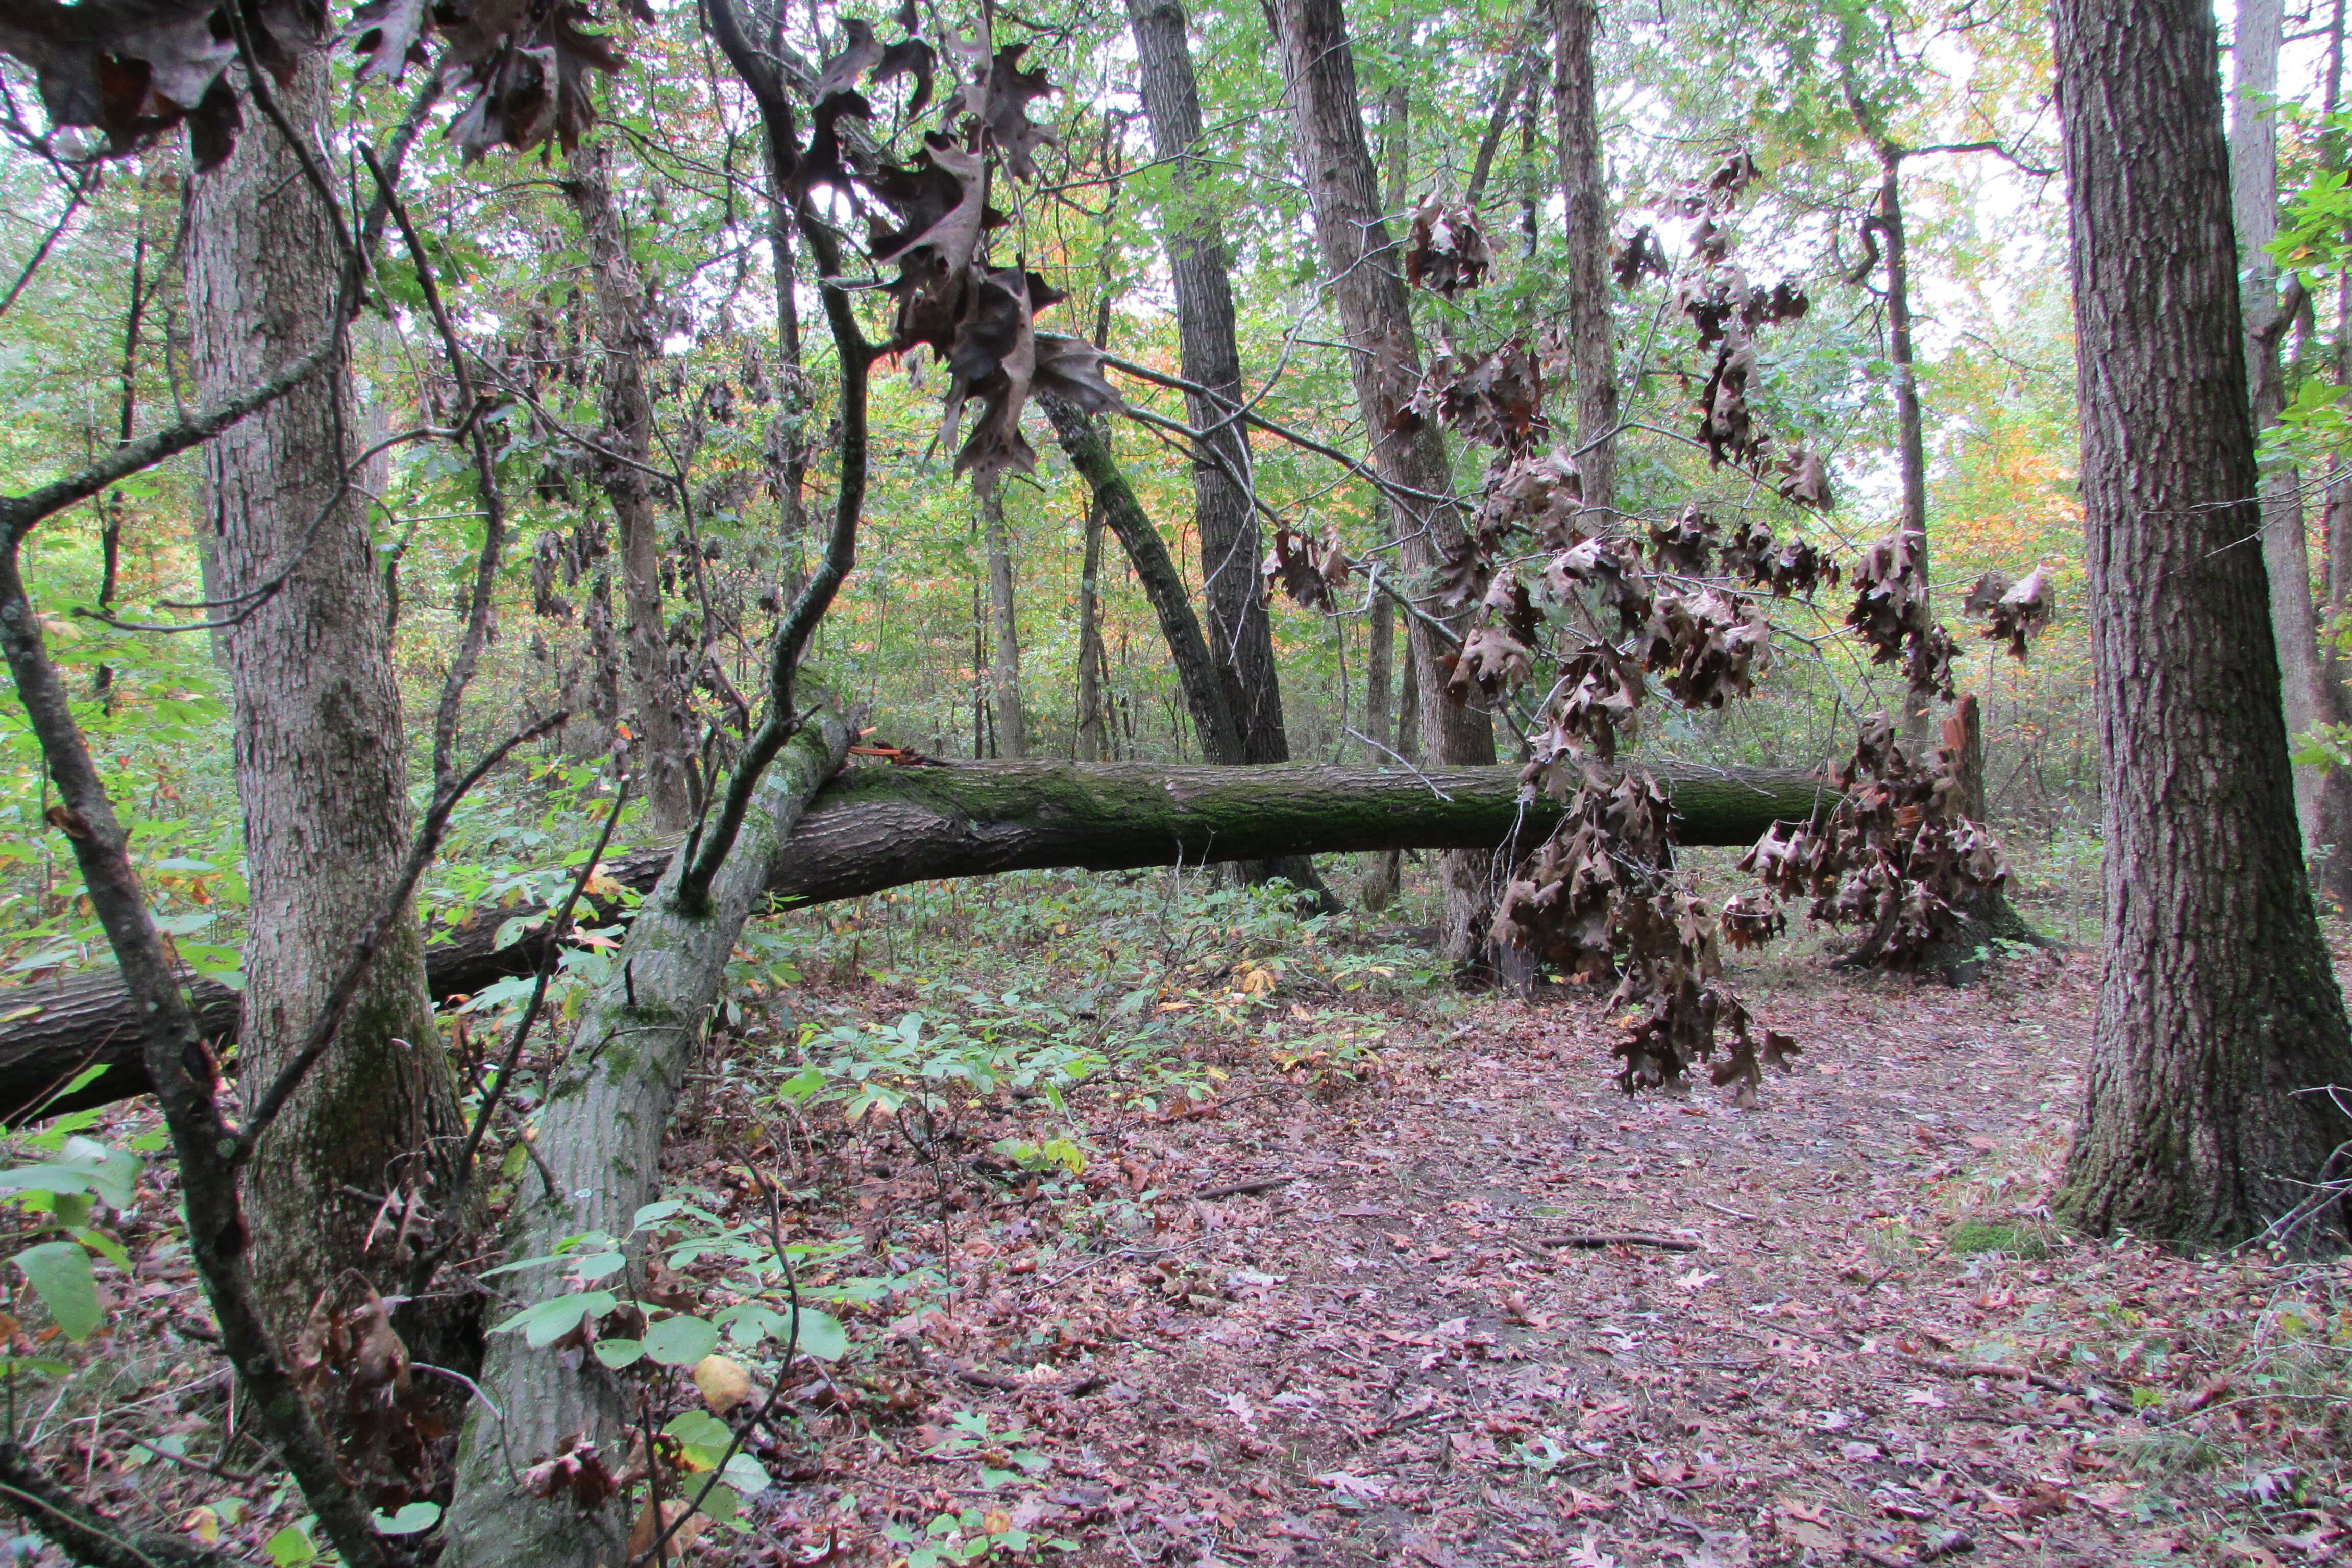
x,y
930,218
1895,857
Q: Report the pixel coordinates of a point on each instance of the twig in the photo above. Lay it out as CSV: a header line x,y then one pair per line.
x,y
775,1392
86,1534
1997,1369
1236,1189
1619,1238
1727,1213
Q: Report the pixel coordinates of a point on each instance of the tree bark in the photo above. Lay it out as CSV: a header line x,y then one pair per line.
x,y
606,1107
318,749
876,828
1378,889
1910,440
1086,744
1004,668
662,751
1328,120
2323,797
1240,641
2218,1009
1592,327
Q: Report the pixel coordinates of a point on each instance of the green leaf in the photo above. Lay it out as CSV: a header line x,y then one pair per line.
x,y
410,1519
59,1272
822,1335
290,1548
655,1210
746,1475
545,1322
680,1342
619,1353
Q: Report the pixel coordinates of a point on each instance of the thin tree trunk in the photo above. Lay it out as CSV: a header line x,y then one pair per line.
x,y
111,509
1087,746
2323,797
1005,669
1380,885
603,1115
1327,120
662,749
2217,1010
1240,637
1592,327
1910,440
318,741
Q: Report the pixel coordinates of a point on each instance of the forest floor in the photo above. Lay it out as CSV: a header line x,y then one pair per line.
x,y
1356,1304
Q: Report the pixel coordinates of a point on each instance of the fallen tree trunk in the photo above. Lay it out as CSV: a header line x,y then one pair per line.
x,y
605,1110
877,828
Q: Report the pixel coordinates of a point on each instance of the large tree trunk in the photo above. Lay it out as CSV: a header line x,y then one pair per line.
x,y
881,827
317,747
2323,797
600,1129
1592,326
662,751
1327,120
2217,1010
1004,666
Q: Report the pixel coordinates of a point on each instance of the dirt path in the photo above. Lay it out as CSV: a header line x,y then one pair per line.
x,y
1385,1361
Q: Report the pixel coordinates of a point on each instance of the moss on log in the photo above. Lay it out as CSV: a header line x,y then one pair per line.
x,y
877,828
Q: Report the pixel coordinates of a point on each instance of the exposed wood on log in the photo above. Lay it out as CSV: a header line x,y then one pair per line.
x,y
874,829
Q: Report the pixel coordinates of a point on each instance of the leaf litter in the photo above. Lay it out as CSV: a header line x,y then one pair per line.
x,y
1872,1345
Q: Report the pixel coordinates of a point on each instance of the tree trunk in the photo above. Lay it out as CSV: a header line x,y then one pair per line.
x,y
2218,1009
318,748
876,828
1241,642
600,1125
2323,797
1592,327
1328,120
1910,441
1086,745
1004,668
662,749
1380,885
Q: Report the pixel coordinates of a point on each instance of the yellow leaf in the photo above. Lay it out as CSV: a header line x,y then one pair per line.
x,y
723,1382
204,1524
995,1521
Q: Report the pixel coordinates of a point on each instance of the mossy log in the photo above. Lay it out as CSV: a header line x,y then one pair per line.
x,y
884,826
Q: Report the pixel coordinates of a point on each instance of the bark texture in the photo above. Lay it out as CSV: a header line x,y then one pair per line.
x,y
1592,333
1327,122
874,829
662,751
318,751
601,1127
2217,1007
